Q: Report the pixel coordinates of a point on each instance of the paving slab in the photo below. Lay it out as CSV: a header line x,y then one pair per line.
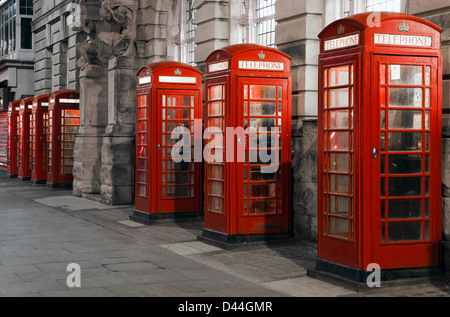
x,y
43,231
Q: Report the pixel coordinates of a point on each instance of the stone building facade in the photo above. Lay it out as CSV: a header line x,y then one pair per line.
x,y
16,51
101,52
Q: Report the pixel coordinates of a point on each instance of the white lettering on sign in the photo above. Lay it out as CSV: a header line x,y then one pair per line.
x,y
217,67
62,100
403,40
261,65
342,42
145,80
177,80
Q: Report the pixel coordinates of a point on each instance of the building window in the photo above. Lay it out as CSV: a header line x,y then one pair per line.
x,y
26,34
190,32
384,5
338,9
265,21
257,22
185,24
26,7
8,29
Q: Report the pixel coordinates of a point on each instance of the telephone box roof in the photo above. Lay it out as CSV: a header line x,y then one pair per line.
x,y
367,20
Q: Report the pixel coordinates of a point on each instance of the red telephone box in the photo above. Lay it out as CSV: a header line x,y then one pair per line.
x,y
379,145
23,138
169,106
63,124
38,139
3,141
13,116
248,114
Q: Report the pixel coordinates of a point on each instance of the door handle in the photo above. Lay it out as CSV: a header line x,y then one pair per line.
x,y
159,146
374,153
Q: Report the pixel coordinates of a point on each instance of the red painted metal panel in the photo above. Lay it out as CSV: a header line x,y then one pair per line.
x,y
63,124
169,102
389,212
250,85
13,112
38,139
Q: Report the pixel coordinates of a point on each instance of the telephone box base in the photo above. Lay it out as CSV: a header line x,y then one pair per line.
x,y
148,219
25,179
40,182
357,278
225,240
59,186
12,176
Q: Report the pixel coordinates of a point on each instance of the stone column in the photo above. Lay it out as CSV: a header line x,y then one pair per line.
x,y
212,28
298,24
117,170
93,121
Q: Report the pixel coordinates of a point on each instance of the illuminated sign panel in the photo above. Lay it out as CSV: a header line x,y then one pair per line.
x,y
342,42
403,40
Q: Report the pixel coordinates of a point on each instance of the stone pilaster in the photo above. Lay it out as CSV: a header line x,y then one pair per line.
x,y
298,24
117,154
93,121
304,167
212,28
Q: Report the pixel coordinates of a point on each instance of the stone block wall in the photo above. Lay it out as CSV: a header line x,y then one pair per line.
x,y
304,182
55,48
305,17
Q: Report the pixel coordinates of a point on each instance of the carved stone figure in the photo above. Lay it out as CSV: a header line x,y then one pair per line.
x,y
92,50
124,15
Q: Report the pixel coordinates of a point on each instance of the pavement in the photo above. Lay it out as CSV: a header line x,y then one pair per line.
x,y
43,231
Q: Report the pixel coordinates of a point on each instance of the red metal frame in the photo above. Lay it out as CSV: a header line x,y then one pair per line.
x,y
38,139
63,124
3,140
169,94
399,40
13,114
23,131
241,203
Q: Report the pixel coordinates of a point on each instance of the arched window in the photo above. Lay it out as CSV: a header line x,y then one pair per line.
x,y
185,40
337,9
257,22
190,33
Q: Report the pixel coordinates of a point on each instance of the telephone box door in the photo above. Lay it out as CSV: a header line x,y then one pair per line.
x,y
263,201
405,162
339,224
178,184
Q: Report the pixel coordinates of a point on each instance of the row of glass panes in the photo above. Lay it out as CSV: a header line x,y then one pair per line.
x,y
265,8
404,186
405,75
8,37
405,120
383,5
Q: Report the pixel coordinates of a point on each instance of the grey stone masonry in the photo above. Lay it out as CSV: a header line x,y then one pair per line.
x,y
55,48
305,17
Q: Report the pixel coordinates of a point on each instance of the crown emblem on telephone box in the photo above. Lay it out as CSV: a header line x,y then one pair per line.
x,y
403,27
